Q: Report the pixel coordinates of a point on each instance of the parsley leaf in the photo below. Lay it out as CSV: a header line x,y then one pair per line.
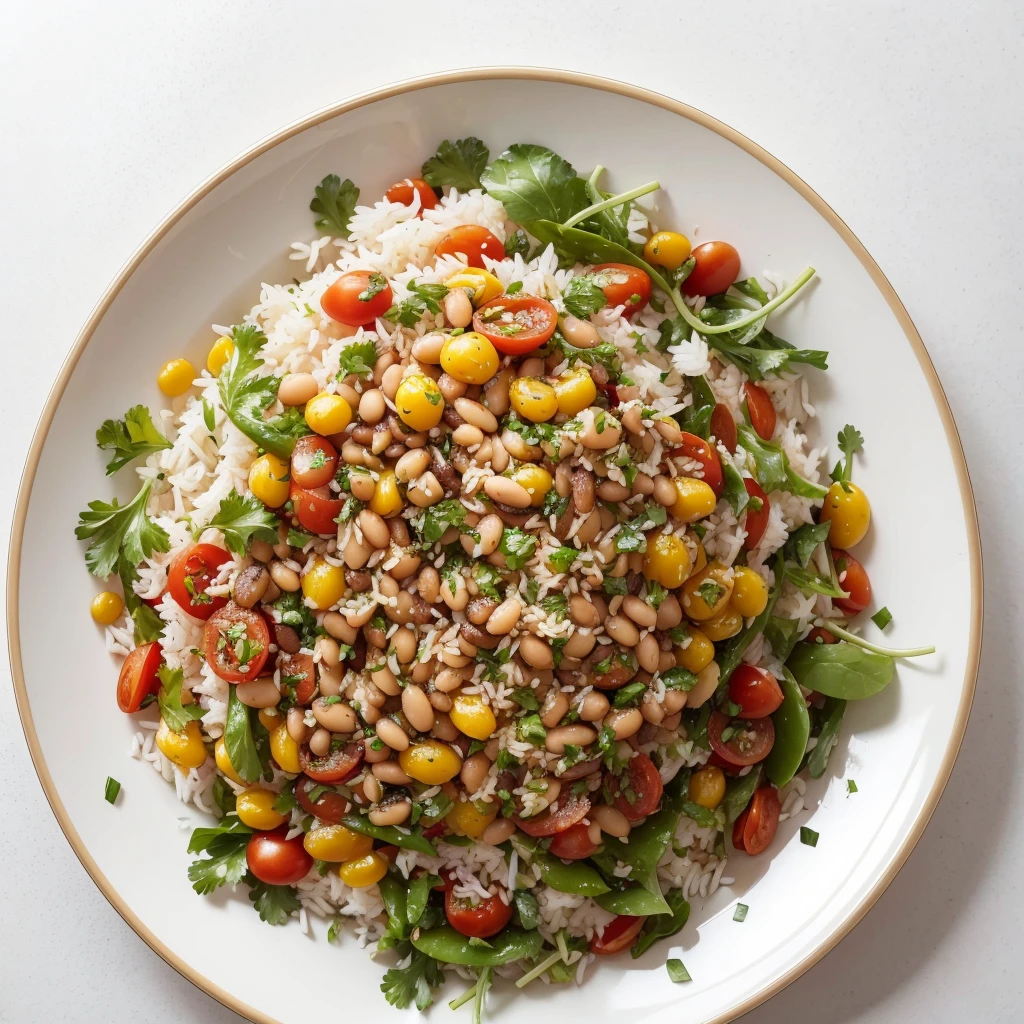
x,y
772,467
530,729
436,519
525,698
148,625
275,903
172,711
129,438
357,359
421,297
517,547
458,164
583,297
561,559
120,529
851,441
225,844
678,678
334,202
488,580
532,183
407,985
631,536
243,520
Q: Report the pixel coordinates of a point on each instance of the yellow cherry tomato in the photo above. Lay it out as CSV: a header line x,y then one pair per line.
x,y
221,351
697,654
363,871
335,843
220,755
470,715
470,358
749,591
575,391
387,498
419,402
106,608
706,593
725,624
284,749
466,819
695,499
533,399
269,718
707,787
269,479
481,285
255,808
184,748
849,513
175,377
324,584
328,414
666,560
667,249
430,762
701,558
536,479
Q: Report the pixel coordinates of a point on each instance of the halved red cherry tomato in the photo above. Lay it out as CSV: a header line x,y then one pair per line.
x,y
298,676
336,767
623,285
723,428
472,243
357,298
276,860
314,461
403,191
329,807
854,580
643,788
317,509
714,761
762,412
515,324
234,632
717,266
480,920
755,828
574,843
189,575
694,447
138,677
820,636
617,935
749,742
551,822
755,690
756,520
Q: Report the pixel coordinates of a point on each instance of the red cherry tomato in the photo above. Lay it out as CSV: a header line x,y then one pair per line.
x,y
854,580
329,807
297,676
574,843
749,742
723,428
643,788
756,518
231,632
138,677
336,767
551,822
714,761
403,191
276,860
317,509
755,828
357,298
480,920
189,575
694,447
762,412
755,690
314,461
617,935
717,266
515,324
820,636
623,285
472,243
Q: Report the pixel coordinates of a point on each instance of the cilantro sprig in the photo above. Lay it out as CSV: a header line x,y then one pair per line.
x,y
851,441
421,298
458,164
172,711
115,529
129,438
334,202
243,520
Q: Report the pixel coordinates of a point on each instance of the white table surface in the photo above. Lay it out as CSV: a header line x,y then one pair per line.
x,y
905,117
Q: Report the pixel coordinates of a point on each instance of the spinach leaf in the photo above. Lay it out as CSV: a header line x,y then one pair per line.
x,y
696,418
735,489
647,845
664,925
334,202
389,834
792,730
238,740
738,792
772,467
635,902
818,761
458,164
841,670
802,542
782,634
532,183
809,582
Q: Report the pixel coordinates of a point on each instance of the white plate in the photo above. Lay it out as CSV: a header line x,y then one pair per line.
x,y
204,265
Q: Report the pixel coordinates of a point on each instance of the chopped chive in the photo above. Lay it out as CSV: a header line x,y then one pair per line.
x,y
111,789
677,972
208,415
808,836
851,786
741,912
882,617
539,969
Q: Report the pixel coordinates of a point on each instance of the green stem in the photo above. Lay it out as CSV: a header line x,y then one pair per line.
x,y
539,969
593,180
852,638
608,204
465,997
482,985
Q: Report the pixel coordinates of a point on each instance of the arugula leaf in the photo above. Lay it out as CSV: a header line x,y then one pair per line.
x,y
803,542
172,711
275,903
772,467
334,201
517,547
148,625
129,438
225,844
532,183
405,986
246,396
582,297
437,519
117,530
458,164
243,520
662,926
421,297
809,582
357,359
238,740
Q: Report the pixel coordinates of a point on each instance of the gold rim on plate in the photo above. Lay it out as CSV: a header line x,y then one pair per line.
x,y
413,85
